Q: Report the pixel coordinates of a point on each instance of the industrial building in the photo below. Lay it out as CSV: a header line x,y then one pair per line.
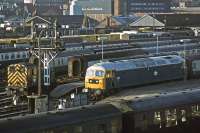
x,y
96,9
148,6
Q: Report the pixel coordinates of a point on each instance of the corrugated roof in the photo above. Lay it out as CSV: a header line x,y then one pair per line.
x,y
124,20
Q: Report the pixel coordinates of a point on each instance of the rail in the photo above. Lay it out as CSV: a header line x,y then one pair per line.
x,y
12,110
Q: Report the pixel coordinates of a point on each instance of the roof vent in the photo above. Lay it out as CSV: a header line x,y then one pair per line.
x,y
157,96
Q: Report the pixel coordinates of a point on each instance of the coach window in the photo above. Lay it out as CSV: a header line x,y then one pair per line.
x,y
62,61
2,57
183,115
116,126
157,119
12,56
195,110
6,56
102,128
171,118
58,62
24,55
18,55
78,129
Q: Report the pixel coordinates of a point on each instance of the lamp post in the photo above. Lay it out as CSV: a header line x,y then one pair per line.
x,y
184,65
156,43
102,49
102,39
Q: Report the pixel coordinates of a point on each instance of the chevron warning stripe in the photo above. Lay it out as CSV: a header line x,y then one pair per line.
x,y
17,76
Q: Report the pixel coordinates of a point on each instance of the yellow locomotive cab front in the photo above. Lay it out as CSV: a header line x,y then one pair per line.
x,y
94,83
95,79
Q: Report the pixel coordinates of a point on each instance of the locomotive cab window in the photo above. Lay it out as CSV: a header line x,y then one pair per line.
x,y
99,73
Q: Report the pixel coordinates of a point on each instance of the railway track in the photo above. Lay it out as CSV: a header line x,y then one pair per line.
x,y
9,111
3,95
5,101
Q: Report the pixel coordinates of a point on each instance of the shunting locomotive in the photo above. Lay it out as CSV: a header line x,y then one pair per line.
x,y
21,76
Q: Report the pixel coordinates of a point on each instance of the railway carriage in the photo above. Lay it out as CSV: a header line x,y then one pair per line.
x,y
90,119
106,76
175,112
